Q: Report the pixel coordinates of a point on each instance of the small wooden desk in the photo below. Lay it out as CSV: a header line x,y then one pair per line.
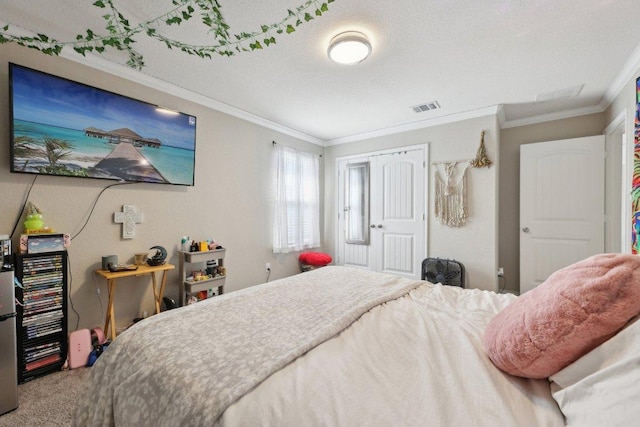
x,y
142,270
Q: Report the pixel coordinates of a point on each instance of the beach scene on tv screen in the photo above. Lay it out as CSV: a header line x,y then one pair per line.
x,y
61,127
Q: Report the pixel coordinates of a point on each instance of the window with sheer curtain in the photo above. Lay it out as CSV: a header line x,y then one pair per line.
x,y
297,211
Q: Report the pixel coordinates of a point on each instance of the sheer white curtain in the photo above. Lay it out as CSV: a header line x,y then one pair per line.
x,y
297,211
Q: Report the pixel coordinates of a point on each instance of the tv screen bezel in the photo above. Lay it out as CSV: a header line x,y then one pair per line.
x,y
103,92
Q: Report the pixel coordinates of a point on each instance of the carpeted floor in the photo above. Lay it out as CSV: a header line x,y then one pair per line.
x,y
47,401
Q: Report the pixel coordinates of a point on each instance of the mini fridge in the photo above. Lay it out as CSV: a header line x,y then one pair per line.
x,y
8,355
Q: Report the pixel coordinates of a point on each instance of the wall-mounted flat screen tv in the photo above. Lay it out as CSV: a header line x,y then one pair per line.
x,y
62,127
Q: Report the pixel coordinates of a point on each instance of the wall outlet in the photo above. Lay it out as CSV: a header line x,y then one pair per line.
x,y
500,272
267,267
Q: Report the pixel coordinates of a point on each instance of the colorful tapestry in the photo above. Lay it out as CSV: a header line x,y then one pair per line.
x,y
635,189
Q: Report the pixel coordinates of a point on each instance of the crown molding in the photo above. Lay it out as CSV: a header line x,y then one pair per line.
x,y
113,68
628,72
632,65
567,114
422,124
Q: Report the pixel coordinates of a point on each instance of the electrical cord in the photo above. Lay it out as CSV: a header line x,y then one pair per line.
x,y
93,207
501,290
70,281
268,274
69,275
95,203
24,206
98,293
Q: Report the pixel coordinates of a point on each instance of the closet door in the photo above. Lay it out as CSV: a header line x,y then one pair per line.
x,y
397,200
395,225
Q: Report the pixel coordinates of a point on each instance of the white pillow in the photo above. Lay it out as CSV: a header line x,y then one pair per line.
x,y
602,388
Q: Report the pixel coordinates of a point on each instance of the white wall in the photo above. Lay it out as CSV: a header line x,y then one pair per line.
x,y
230,202
510,141
475,244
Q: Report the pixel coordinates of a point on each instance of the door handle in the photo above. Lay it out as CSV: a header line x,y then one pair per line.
x,y
373,226
525,229
379,225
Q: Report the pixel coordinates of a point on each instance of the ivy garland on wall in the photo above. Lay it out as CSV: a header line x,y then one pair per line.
x,y
122,34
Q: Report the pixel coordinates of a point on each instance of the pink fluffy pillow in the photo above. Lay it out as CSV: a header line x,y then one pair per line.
x,y
576,309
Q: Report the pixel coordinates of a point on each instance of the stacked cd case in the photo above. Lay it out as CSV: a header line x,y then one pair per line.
x,y
42,313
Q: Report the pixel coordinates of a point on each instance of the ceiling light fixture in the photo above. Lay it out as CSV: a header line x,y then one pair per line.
x,y
349,48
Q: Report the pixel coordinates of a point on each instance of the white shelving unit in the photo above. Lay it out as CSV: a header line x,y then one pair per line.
x,y
187,265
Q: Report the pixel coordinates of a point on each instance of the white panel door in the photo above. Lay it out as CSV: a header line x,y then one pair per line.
x,y
397,199
561,206
397,233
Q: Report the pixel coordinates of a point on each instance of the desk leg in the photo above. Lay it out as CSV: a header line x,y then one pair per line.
x,y
157,293
164,281
111,317
156,296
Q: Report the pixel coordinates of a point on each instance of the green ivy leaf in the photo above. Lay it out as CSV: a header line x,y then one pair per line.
x,y
109,42
82,49
122,35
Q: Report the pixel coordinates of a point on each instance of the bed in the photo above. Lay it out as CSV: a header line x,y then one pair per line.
x,y
335,346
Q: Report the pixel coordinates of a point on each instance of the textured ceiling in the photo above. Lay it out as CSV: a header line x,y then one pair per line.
x,y
469,55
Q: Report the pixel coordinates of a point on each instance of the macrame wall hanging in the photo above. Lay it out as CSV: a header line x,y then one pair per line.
x,y
451,189
451,197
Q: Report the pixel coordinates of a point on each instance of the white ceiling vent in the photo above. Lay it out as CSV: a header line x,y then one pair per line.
x,y
427,106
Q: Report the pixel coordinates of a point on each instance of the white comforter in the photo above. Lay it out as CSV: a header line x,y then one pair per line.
x,y
332,347
414,361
